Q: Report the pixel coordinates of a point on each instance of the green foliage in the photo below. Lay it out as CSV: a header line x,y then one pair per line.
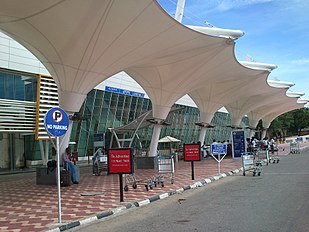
x,y
290,123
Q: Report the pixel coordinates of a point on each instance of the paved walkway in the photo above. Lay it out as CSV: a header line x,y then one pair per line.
x,y
25,206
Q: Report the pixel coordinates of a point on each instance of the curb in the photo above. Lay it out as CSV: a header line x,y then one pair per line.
x,y
144,202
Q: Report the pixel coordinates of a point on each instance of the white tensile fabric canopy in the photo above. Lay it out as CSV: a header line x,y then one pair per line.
x,y
167,59
243,106
212,97
168,139
291,103
82,43
260,111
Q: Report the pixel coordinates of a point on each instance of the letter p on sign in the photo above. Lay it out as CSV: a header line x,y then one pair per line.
x,y
57,116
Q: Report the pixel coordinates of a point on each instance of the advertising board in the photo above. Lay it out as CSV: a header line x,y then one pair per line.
x,y
120,161
192,152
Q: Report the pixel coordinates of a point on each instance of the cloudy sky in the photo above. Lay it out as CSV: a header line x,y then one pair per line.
x,y
276,31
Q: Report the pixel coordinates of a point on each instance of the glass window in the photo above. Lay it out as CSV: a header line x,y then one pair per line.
x,y
114,100
2,85
17,87
127,103
9,86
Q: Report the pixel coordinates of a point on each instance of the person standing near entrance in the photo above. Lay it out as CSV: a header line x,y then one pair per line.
x,y
203,150
68,164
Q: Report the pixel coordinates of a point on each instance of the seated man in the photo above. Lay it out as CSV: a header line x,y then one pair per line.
x,y
68,164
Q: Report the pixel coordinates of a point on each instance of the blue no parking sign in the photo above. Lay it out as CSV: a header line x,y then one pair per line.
x,y
56,121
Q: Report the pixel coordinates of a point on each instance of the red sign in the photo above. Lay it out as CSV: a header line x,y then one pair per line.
x,y
120,161
192,152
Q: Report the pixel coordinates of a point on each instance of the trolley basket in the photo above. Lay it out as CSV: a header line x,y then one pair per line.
x,y
165,167
249,164
294,148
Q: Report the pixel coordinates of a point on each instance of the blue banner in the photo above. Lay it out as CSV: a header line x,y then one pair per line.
x,y
217,149
239,143
123,91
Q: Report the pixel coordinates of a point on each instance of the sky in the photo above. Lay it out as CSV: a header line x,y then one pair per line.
x,y
276,32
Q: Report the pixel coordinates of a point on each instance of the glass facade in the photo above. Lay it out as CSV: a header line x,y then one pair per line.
x,y
15,86
102,110
16,147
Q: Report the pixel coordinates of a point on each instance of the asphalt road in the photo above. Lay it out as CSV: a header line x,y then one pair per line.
x,y
275,201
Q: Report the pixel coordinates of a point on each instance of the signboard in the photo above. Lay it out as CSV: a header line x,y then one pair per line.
x,y
99,139
238,143
299,139
192,152
56,121
218,148
123,91
120,161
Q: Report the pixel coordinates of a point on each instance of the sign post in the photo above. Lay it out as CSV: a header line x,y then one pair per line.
x,y
218,149
192,152
238,143
120,161
57,123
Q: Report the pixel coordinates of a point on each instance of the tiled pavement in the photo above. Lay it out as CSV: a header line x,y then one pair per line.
x,y
25,206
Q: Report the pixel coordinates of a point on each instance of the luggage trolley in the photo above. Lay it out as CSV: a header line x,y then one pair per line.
x,y
100,164
130,179
165,166
249,164
263,156
294,148
274,154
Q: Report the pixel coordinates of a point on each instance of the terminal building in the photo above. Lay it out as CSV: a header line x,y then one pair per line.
x,y
169,61
26,86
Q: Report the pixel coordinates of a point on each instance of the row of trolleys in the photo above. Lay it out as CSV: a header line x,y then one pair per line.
x,y
165,170
254,161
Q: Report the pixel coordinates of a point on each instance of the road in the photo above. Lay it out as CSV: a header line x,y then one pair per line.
x,y
275,201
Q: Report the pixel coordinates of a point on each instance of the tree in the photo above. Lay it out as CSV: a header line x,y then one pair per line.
x,y
301,120
290,123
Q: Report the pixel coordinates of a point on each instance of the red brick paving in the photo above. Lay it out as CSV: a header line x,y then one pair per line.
x,y
25,206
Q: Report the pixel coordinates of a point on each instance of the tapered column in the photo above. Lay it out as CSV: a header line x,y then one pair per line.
x,y
252,133
70,102
264,133
205,118
202,135
155,140
65,139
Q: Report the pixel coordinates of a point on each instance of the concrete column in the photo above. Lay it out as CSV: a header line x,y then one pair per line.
x,y
264,133
252,132
202,135
160,113
65,139
206,118
71,103
154,140
235,121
